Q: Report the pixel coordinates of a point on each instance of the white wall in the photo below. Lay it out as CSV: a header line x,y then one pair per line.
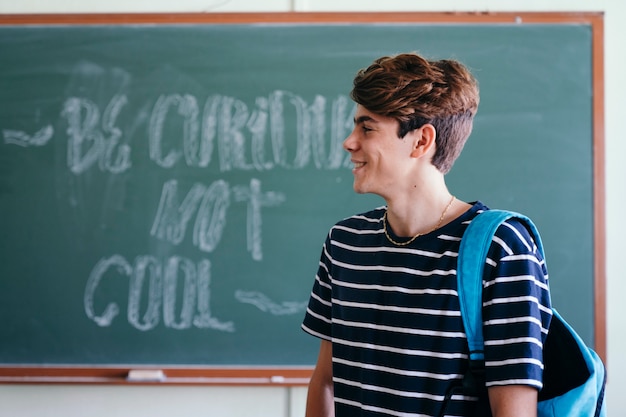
x,y
111,401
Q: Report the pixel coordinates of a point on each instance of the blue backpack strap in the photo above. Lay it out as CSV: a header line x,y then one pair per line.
x,y
470,266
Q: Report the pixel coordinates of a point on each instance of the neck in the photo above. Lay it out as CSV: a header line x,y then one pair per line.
x,y
422,215
417,206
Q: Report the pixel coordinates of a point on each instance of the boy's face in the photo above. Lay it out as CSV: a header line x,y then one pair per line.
x,y
382,161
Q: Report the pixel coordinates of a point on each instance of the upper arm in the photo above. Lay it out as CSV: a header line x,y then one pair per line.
x,y
516,310
323,372
516,313
320,397
513,401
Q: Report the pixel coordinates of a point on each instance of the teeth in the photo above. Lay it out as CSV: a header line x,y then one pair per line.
x,y
358,164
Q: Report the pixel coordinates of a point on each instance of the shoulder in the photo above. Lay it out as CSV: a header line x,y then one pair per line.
x,y
515,258
369,221
514,243
515,237
363,227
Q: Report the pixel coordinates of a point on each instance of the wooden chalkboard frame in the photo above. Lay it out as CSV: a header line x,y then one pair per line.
x,y
290,376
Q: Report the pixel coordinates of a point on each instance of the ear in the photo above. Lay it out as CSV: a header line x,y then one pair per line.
x,y
424,140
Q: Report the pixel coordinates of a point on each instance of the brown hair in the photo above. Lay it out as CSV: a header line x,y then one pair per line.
x,y
416,91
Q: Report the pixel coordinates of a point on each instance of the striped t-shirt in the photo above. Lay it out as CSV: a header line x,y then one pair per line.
x,y
393,316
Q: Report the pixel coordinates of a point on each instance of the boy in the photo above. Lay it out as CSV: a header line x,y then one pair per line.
x,y
385,302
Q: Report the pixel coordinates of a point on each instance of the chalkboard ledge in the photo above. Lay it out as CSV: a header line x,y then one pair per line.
x,y
152,375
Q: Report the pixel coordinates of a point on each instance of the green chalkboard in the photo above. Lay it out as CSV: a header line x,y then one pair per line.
x,y
165,189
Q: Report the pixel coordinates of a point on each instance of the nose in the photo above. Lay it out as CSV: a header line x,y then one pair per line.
x,y
350,143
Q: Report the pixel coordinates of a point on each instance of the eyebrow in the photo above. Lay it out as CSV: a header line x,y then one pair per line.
x,y
364,118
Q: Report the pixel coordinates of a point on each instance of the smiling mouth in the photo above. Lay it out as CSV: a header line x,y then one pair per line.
x,y
358,165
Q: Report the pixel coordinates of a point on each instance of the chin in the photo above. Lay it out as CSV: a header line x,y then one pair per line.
x,y
360,189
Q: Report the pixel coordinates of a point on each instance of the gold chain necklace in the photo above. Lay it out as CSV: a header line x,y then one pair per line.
x,y
443,215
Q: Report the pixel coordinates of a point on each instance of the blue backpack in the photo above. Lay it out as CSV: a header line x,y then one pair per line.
x,y
574,376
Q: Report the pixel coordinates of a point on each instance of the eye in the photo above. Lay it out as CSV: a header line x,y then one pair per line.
x,y
365,129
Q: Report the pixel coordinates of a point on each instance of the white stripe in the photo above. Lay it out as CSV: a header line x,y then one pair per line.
x,y
314,333
377,409
517,278
368,249
508,300
321,264
529,247
514,340
396,308
403,290
531,382
504,246
369,219
406,330
449,238
317,316
442,377
514,362
383,268
410,352
531,299
545,309
376,388
359,231
321,300
513,320
521,257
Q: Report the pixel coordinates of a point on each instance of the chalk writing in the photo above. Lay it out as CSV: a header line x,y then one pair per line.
x,y
221,133
211,203
264,303
256,199
242,135
161,294
39,138
87,144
